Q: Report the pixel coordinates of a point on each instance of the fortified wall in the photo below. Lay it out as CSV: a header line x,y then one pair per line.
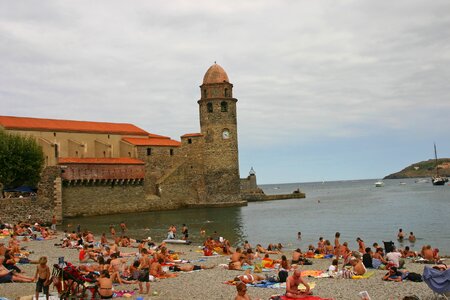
x,y
98,168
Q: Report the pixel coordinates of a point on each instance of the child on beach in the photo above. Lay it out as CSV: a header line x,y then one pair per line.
x,y
333,268
43,277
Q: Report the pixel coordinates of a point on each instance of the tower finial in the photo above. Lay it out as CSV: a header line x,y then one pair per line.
x,y
215,62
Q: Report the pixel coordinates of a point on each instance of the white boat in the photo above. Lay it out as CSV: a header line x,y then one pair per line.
x,y
379,183
175,241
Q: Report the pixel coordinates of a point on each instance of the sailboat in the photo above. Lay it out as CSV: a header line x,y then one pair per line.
x,y
438,179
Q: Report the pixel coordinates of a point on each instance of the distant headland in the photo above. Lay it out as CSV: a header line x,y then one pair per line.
x,y
423,169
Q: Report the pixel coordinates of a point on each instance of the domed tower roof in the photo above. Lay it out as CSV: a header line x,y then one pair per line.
x,y
215,74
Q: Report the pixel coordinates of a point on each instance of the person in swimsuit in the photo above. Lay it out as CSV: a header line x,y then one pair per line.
x,y
188,268
105,285
297,256
144,266
237,259
292,283
248,277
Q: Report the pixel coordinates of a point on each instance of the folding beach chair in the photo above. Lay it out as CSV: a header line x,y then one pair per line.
x,y
437,281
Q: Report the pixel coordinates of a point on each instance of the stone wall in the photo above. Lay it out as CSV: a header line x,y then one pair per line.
x,y
92,200
26,209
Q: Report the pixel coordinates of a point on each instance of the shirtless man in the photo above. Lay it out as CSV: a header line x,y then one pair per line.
x,y
358,266
412,237
296,256
90,238
427,253
237,258
400,235
321,246
292,283
144,266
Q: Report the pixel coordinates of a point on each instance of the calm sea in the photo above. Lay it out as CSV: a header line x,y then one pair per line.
x,y
354,208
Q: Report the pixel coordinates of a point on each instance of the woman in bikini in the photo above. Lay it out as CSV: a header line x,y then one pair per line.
x,y
105,285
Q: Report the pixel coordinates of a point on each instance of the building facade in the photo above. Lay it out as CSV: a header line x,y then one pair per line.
x,y
104,168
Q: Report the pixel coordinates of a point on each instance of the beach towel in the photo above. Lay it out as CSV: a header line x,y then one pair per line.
x,y
123,293
312,285
312,273
283,297
365,276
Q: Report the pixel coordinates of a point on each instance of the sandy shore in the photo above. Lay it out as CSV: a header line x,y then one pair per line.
x,y
208,284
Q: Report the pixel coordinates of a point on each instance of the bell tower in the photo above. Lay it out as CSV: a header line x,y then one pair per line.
x,y
218,125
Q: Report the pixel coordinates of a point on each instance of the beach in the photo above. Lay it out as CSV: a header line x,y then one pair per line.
x,y
209,284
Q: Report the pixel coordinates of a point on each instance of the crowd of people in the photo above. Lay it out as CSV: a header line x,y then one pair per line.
x,y
101,259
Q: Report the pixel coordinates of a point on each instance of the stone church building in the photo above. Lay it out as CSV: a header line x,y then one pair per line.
x,y
97,168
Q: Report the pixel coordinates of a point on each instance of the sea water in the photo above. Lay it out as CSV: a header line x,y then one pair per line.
x,y
354,208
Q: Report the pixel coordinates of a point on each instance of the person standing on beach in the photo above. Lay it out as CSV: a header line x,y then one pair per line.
x,y
144,266
337,245
112,230
43,278
53,227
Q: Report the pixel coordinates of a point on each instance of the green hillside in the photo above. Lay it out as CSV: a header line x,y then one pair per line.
x,y
422,169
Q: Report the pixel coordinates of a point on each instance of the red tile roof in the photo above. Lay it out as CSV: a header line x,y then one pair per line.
x,y
191,135
100,161
24,123
166,142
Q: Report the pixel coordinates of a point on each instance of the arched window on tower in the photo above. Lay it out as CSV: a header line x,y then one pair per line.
x,y
226,93
205,94
223,106
209,107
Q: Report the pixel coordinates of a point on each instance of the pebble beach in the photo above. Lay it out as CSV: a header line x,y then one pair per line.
x,y
209,284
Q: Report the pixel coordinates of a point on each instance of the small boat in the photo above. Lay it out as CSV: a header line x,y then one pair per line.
x,y
438,179
379,183
174,241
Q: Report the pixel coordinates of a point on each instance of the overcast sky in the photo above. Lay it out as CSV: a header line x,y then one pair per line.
x,y
327,90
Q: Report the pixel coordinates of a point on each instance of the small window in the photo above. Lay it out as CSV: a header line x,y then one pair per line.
x,y
149,151
189,141
56,151
104,153
171,152
129,154
76,153
108,136
226,93
205,94
210,107
54,133
223,106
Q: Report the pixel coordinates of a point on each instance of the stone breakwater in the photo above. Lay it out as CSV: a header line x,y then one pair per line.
x,y
192,285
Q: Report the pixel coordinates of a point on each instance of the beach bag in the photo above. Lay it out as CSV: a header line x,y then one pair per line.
x,y
283,275
414,277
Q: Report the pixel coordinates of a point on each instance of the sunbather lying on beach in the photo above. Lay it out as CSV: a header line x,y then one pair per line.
x,y
188,268
249,278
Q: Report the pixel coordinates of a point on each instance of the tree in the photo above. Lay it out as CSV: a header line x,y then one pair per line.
x,y
21,160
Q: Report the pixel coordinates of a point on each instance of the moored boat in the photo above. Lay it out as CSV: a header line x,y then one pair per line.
x,y
438,179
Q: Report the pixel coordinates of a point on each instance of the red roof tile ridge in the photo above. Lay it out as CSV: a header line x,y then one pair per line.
x,y
13,122
96,160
